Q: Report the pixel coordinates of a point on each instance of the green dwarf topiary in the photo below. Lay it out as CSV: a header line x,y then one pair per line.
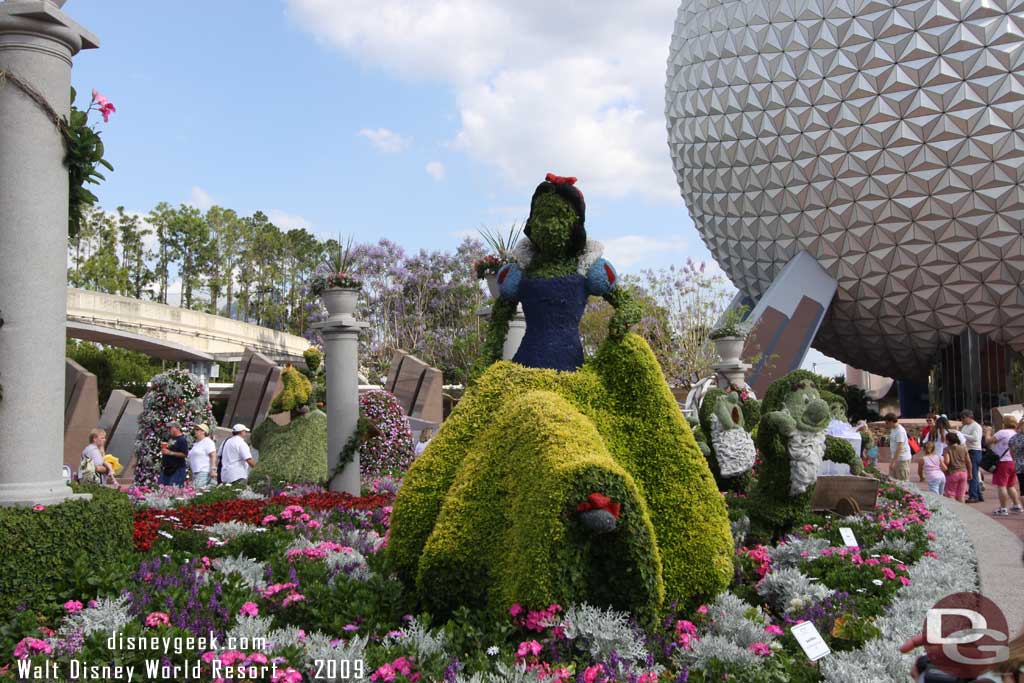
x,y
722,412
489,511
295,453
294,393
841,451
313,357
791,439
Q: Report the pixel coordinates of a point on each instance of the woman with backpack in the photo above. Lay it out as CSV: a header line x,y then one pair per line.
x,y
93,469
1004,478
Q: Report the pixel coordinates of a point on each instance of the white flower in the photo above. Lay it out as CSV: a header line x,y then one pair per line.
x,y
493,651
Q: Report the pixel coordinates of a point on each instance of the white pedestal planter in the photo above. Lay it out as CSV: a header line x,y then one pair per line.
x,y
340,301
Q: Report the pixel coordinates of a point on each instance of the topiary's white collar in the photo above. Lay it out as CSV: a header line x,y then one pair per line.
x,y
524,252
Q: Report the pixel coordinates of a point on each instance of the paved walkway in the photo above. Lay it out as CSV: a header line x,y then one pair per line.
x,y
999,548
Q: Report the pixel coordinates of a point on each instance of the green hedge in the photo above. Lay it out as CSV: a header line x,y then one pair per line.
x,y
751,411
45,552
295,453
617,403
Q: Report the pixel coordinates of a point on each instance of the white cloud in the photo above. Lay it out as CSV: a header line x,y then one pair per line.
x,y
436,170
627,250
385,140
570,88
200,198
288,221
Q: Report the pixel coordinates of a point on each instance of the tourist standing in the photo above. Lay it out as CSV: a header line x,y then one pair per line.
x,y
175,454
1005,476
958,465
202,457
972,434
900,449
92,468
1017,450
425,436
931,470
929,425
236,458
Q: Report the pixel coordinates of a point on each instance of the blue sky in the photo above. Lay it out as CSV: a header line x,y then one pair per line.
x,y
416,121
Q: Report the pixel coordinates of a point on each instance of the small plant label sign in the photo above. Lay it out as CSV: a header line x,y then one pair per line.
x,y
848,538
814,646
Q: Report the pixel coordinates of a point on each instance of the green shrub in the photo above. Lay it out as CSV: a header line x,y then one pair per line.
x,y
840,451
296,453
552,424
295,391
313,358
63,548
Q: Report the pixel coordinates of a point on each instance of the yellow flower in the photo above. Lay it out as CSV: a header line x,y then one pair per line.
x,y
113,461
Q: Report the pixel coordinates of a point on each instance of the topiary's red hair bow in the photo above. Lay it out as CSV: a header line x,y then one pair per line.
x,y
599,501
559,180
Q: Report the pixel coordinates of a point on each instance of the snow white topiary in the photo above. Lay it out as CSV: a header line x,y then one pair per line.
x,y
388,447
173,396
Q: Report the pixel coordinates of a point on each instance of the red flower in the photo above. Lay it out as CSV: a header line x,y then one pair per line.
x,y
559,180
599,501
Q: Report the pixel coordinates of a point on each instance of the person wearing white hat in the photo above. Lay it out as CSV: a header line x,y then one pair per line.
x,y
202,457
236,458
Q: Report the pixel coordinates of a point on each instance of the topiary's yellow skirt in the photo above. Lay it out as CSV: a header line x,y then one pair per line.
x,y
487,515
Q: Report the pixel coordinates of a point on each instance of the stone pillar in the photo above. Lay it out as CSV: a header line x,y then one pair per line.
x,y
37,42
516,332
341,364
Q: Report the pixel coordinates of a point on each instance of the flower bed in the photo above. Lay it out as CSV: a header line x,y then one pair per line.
x,y
299,583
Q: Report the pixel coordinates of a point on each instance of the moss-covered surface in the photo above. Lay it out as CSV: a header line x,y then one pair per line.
x,y
492,499
791,403
751,413
296,453
841,451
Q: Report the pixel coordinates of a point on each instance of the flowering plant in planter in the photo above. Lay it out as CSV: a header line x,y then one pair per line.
x,y
732,324
336,272
501,245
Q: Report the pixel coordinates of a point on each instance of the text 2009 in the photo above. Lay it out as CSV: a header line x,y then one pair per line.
x,y
338,669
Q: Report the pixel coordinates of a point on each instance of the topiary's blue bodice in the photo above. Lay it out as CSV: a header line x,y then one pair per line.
x,y
553,308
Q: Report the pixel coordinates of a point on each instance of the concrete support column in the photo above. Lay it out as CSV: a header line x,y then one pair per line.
x,y
341,364
37,42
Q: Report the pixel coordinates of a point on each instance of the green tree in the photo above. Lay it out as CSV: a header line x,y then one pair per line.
x,y
160,218
191,236
223,255
136,274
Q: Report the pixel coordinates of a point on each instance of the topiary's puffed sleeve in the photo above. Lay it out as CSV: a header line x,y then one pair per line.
x,y
601,278
509,277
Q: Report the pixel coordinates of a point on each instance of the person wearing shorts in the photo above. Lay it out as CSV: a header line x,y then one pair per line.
x,y
899,447
958,468
1005,476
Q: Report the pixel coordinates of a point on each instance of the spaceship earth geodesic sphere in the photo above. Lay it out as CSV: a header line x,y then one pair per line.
x,y
884,138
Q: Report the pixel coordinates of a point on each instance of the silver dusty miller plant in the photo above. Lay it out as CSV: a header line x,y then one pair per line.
x,y
600,632
790,590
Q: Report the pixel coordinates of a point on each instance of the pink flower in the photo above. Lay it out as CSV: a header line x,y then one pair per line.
x,y
684,626
73,606
27,647
157,619
38,508
905,581
249,609
515,610
773,629
106,110
288,675
402,666
760,649
807,528
591,673
888,573
385,673
703,609
231,657
256,658
269,519
527,648
98,98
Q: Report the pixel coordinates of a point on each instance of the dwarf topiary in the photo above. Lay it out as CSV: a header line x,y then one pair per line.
x,y
726,418
294,392
172,396
840,451
791,439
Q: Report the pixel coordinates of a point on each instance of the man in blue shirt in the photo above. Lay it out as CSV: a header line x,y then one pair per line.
x,y
175,455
